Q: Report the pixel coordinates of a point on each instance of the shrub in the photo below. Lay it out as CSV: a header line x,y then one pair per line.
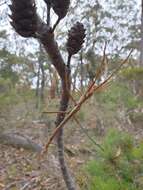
x,y
118,166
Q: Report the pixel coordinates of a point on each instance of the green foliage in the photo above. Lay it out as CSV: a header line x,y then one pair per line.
x,y
5,85
119,166
116,140
7,73
109,184
138,151
8,98
116,95
7,60
130,73
11,96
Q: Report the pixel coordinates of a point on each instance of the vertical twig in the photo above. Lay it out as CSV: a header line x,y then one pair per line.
x,y
55,25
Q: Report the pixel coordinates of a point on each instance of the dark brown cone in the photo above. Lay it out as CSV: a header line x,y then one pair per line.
x,y
60,7
24,17
76,37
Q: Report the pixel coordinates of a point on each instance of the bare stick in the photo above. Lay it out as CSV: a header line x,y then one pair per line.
x,y
55,25
86,96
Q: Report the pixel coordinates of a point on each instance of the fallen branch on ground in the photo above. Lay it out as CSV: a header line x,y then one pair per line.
x,y
19,141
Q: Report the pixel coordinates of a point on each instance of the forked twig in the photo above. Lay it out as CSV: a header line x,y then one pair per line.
x,y
82,99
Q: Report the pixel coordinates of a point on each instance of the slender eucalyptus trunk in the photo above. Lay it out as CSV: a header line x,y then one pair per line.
x,y
38,81
81,71
50,45
60,143
38,86
42,83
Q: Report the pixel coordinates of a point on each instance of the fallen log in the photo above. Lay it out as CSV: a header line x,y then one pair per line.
x,y
19,141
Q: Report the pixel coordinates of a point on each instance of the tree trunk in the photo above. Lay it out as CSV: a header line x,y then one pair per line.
x,y
60,143
38,81
47,39
42,83
81,72
53,89
54,85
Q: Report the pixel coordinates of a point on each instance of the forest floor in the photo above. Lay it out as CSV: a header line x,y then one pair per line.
x,y
21,169
24,170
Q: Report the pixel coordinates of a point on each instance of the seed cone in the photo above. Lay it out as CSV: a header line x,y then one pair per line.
x,y
76,37
60,7
24,17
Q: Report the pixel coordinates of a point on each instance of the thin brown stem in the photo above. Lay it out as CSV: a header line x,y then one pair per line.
x,y
86,133
69,61
55,25
86,96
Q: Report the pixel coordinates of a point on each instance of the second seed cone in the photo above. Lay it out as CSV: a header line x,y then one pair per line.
x,y
76,37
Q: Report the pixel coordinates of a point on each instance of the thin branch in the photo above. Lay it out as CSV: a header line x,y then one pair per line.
x,y
86,133
69,61
86,96
55,25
